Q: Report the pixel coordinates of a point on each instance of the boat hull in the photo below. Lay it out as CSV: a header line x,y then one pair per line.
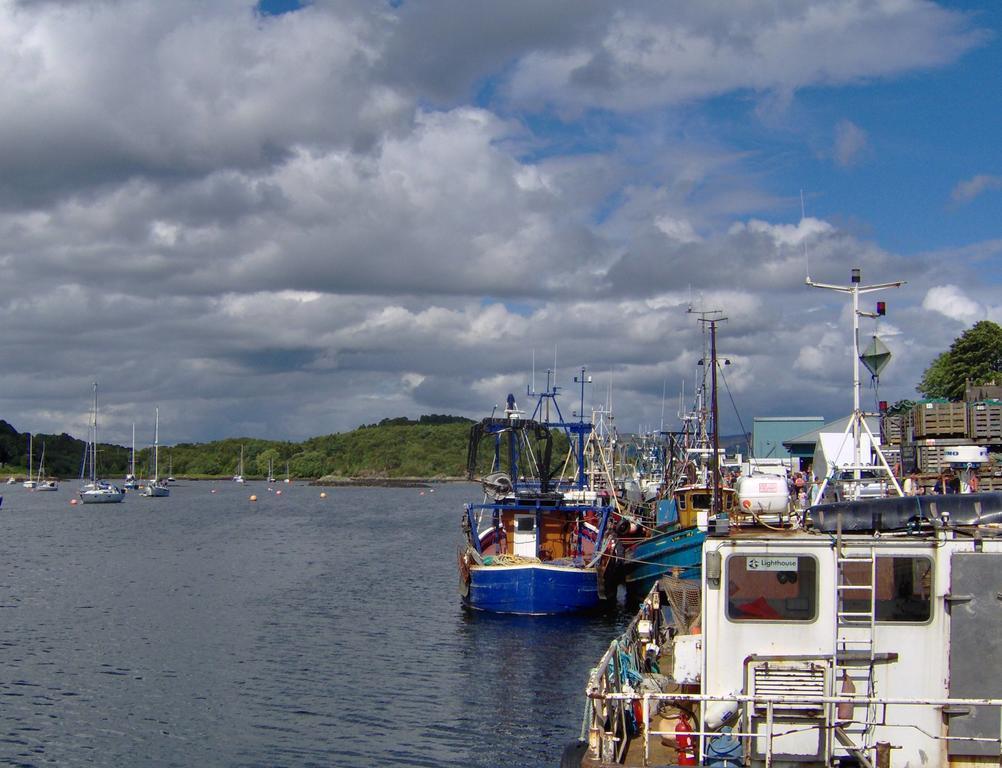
x,y
648,560
101,497
532,588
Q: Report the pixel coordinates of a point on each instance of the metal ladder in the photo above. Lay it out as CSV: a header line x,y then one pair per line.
x,y
854,658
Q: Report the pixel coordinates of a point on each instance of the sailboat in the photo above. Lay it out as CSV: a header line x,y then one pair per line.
x,y
170,468
42,484
287,473
271,473
98,491
130,479
30,482
156,487
239,476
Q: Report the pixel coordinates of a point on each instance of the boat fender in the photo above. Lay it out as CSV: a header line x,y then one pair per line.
x,y
719,713
843,710
685,741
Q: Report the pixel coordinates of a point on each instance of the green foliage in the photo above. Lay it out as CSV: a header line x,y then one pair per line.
x,y
975,356
430,447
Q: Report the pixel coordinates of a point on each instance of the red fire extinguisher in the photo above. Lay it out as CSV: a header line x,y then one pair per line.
x,y
686,743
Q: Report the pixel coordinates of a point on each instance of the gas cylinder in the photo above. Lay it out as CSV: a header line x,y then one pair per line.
x,y
685,741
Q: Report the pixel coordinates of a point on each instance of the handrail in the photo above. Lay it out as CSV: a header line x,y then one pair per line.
x,y
621,701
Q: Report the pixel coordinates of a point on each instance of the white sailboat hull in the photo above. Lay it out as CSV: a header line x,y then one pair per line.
x,y
156,491
101,495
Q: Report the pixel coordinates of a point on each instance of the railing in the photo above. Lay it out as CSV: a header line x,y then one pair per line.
x,y
611,745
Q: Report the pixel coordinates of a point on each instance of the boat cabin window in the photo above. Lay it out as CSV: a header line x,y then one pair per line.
x,y
525,523
701,500
903,589
772,588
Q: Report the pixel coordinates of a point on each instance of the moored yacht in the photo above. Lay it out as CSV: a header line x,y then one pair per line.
x,y
97,491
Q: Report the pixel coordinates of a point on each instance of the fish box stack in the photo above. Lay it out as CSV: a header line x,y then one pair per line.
x,y
939,420
985,420
893,427
926,458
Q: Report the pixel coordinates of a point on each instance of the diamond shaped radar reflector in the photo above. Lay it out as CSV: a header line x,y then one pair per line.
x,y
876,356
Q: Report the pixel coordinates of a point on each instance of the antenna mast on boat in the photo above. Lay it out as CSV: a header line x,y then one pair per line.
x,y
857,422
717,498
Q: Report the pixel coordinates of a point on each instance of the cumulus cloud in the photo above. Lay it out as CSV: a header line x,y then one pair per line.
x,y
965,191
359,210
952,302
649,54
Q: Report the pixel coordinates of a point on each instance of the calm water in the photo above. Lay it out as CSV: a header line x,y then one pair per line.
x,y
205,629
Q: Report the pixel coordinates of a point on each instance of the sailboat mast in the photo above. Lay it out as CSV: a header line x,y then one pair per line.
x,y
156,448
93,461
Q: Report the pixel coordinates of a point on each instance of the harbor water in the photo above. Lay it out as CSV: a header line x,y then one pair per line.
x,y
208,629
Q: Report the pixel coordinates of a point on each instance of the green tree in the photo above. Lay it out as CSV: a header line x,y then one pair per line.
x,y
975,356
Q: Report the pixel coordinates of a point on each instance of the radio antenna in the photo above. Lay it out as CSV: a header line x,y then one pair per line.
x,y
803,241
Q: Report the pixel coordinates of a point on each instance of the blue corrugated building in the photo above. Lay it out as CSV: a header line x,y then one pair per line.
x,y
770,432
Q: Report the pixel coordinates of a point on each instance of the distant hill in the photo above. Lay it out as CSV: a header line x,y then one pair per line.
x,y
431,446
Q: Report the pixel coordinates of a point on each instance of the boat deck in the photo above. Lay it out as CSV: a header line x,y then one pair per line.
x,y
663,751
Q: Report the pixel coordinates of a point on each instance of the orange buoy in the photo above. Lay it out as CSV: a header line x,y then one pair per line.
x,y
323,495
253,497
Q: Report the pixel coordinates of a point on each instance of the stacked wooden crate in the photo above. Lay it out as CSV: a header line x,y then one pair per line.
x,y
939,420
927,458
893,427
985,421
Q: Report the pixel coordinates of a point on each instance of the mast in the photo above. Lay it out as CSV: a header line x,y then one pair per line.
x,y
132,469
93,461
857,421
156,447
717,498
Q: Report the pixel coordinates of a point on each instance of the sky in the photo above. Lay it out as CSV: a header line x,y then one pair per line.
x,y
282,220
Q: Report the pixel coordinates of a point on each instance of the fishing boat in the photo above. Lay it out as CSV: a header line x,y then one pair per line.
x,y
131,483
155,487
42,483
693,490
534,544
97,491
861,633
30,482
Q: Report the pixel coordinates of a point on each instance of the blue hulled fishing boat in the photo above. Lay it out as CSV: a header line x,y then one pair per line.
x,y
534,544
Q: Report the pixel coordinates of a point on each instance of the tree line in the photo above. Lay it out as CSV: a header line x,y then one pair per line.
x,y
429,447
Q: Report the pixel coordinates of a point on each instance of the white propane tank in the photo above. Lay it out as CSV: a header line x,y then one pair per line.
x,y
763,494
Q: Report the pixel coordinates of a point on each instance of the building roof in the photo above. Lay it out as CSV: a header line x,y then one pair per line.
x,y
840,425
